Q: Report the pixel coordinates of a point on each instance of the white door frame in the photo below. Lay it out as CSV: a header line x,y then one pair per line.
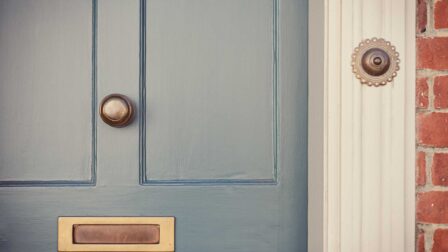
x,y
361,139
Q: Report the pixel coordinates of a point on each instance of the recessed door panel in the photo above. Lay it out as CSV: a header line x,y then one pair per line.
x,y
46,91
210,91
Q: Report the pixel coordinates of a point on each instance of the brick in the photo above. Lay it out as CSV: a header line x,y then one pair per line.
x,y
432,207
441,92
421,93
432,129
420,241
432,53
440,240
421,169
439,169
422,18
441,14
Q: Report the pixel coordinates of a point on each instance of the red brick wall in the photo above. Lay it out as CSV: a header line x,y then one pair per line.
x,y
432,126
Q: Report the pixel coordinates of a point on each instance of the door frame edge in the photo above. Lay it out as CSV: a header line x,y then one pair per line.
x,y
327,229
317,235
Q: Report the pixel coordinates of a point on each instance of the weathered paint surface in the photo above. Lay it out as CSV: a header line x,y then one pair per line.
x,y
220,144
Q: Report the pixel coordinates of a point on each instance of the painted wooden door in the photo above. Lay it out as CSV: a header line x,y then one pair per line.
x,y
220,138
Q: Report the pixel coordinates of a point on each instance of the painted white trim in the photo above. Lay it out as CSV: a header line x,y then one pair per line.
x,y
361,139
409,152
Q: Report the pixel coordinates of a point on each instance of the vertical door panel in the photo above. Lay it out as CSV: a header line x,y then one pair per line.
x,y
210,91
46,83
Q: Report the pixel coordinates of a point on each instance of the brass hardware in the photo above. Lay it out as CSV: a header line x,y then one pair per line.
x,y
375,62
117,110
132,234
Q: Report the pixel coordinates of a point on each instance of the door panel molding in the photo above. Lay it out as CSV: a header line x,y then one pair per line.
x,y
362,139
93,176
145,177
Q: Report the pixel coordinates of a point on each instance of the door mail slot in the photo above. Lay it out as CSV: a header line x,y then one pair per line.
x,y
116,234
150,234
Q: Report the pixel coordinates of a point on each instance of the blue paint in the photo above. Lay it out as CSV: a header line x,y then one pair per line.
x,y
93,175
263,214
147,181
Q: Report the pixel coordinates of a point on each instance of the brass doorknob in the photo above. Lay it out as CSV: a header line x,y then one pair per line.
x,y
117,110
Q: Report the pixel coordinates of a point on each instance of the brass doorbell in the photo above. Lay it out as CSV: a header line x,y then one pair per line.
x,y
375,62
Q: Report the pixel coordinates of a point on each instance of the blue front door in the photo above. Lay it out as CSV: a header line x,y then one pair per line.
x,y
219,139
